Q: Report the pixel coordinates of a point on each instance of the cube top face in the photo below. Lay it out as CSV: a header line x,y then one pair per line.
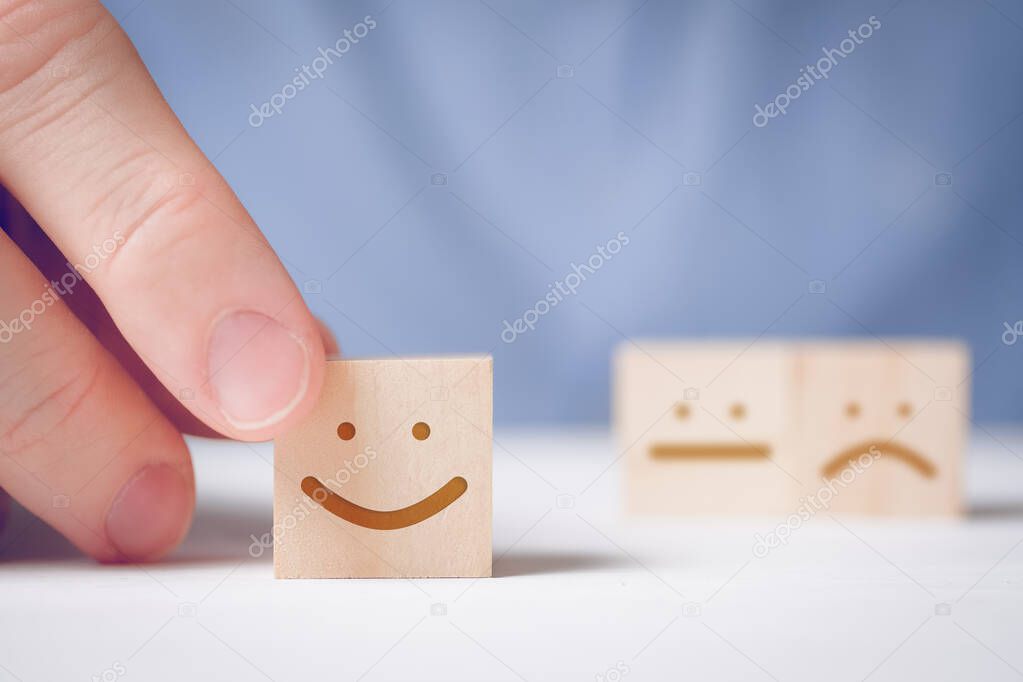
x,y
390,476
705,426
898,411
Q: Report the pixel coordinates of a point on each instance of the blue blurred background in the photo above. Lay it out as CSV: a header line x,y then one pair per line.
x,y
462,156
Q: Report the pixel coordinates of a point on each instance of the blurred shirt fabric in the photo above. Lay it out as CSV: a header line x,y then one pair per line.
x,y
442,174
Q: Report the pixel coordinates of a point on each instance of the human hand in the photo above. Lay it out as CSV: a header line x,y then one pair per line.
x,y
166,290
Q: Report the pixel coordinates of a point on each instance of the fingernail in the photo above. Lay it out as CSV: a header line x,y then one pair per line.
x,y
258,370
150,514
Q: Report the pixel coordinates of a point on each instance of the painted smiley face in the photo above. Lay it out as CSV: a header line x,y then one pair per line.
x,y
390,474
375,519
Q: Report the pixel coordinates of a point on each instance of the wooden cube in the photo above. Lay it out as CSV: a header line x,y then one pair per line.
x,y
886,423
390,476
706,427
759,427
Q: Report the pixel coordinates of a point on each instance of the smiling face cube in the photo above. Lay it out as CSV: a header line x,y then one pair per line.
x,y
390,476
875,427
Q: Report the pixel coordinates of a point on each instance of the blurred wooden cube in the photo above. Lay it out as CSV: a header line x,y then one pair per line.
x,y
874,427
886,423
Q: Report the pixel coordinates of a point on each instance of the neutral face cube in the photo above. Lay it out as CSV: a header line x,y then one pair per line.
x,y
705,428
885,424
390,476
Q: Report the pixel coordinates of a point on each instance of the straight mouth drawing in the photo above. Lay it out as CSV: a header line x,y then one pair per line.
x,y
384,520
909,456
714,451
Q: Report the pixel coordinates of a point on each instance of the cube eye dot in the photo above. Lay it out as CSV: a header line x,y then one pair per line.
x,y
738,411
852,410
682,411
905,409
346,430
420,430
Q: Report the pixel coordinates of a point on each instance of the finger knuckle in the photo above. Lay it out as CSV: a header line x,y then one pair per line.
x,y
38,35
149,226
51,63
163,229
37,411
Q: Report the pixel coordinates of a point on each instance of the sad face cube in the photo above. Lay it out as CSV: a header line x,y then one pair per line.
x,y
390,476
897,411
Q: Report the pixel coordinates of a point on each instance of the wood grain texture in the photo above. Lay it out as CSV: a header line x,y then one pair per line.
x,y
752,428
391,462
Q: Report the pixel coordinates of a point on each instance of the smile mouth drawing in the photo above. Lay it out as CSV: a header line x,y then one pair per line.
x,y
911,457
708,451
384,520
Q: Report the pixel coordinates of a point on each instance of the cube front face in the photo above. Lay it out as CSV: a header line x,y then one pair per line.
x,y
896,410
705,428
390,476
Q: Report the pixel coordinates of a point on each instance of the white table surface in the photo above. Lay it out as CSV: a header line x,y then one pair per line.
x,y
577,592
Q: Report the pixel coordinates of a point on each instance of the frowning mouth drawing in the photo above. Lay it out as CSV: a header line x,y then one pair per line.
x,y
375,519
909,456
